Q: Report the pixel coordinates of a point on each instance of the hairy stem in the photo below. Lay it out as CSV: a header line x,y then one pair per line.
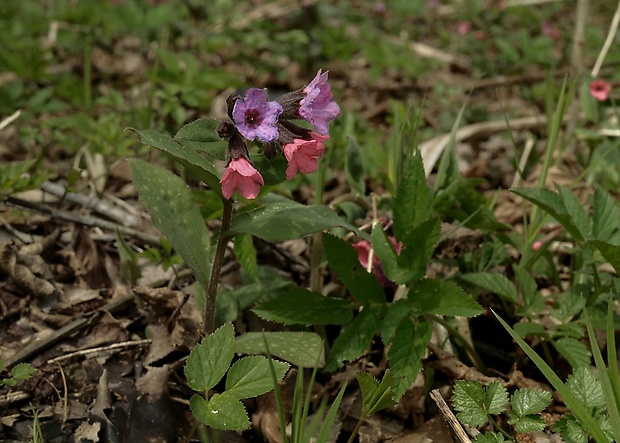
x,y
208,325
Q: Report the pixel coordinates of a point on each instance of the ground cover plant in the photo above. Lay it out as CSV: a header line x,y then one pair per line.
x,y
300,221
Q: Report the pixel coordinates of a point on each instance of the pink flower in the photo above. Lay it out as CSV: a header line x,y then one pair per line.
x,y
255,117
536,246
241,176
463,28
318,106
362,248
302,155
600,89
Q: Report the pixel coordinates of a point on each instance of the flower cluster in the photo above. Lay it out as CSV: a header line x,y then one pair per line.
x,y
254,117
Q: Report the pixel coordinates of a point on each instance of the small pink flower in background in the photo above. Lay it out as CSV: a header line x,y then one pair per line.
x,y
551,31
536,246
318,106
302,155
362,248
255,117
463,28
600,89
378,8
243,177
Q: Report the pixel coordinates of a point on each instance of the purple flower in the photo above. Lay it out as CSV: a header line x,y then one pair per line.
x,y
255,117
318,106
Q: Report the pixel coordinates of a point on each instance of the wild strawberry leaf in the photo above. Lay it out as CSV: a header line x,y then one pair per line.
x,y
209,360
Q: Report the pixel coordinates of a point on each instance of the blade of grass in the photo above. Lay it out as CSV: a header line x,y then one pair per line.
x,y
571,401
328,424
277,392
612,407
297,423
612,358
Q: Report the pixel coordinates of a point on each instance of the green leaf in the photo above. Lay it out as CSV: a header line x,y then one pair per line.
x,y
406,352
209,361
301,306
355,338
20,176
527,404
495,283
354,167
174,213
574,351
246,255
344,261
468,399
605,217
441,298
251,376
489,437
575,209
384,249
553,204
412,202
587,388
285,221
611,253
221,411
199,164
418,247
495,398
571,430
529,290
375,395
304,349
22,371
200,131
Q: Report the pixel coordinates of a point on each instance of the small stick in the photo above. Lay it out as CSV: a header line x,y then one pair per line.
x,y
99,349
456,430
608,41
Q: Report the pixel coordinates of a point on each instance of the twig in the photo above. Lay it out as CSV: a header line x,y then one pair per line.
x,y
610,38
10,119
456,430
13,397
65,400
82,219
99,350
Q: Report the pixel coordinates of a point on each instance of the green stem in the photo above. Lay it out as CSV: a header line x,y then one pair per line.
x,y
87,72
208,325
496,426
356,429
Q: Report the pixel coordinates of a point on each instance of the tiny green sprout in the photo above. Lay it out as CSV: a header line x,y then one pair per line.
x,y
20,372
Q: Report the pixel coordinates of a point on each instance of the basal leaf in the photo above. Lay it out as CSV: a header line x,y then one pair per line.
x,y
468,399
605,217
344,261
412,202
251,376
441,298
175,214
285,221
301,306
209,361
221,411
355,338
406,352
495,283
303,349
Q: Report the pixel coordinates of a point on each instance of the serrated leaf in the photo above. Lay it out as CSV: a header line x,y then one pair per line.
x,y
209,361
251,376
354,167
495,398
527,404
584,385
529,290
406,352
489,437
303,349
22,371
285,221
575,209
611,253
528,423
495,283
605,217
246,255
301,306
441,298
412,202
375,395
394,314
552,203
418,248
221,411
468,399
344,261
384,249
571,430
355,338
574,351
175,214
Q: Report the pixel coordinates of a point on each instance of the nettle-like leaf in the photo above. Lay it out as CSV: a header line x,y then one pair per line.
x,y
574,351
287,220
251,376
571,430
475,403
356,337
496,283
584,385
412,202
418,247
384,249
375,395
441,298
406,352
344,261
568,212
221,411
301,306
611,253
489,437
605,217
527,404
172,207
303,349
209,361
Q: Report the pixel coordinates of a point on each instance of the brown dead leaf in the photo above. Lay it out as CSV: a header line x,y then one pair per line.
x,y
20,274
90,259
